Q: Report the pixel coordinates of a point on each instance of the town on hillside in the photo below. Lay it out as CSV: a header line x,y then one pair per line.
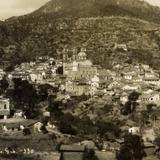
x,y
69,108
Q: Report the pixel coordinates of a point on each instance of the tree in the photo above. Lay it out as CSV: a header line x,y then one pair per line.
x,y
144,117
154,116
107,108
131,104
25,97
150,107
43,91
66,124
108,130
60,70
4,84
26,131
44,130
157,141
132,149
90,155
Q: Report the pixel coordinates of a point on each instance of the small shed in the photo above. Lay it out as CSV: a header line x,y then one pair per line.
x,y
72,152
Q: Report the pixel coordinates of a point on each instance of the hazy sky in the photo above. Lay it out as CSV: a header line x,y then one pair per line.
x,y
154,2
10,8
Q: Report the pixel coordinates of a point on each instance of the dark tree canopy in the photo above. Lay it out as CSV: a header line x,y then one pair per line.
x,y
132,148
131,104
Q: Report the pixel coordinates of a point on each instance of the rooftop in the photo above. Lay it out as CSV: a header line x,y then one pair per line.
x,y
72,148
16,122
105,155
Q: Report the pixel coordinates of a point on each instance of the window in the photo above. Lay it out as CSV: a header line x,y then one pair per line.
x,y
5,106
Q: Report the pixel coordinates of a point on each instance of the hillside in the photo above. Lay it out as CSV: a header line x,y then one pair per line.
x,y
94,8
94,24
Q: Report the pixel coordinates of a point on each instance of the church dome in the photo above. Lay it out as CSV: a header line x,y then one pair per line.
x,y
82,56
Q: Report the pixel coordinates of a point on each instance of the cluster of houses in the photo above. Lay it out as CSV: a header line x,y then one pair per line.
x,y
139,78
43,70
84,78
81,77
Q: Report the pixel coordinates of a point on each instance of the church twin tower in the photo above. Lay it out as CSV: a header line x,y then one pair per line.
x,y
73,55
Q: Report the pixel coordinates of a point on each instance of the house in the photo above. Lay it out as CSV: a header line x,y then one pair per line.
x,y
137,79
20,74
104,74
77,89
152,80
145,67
113,84
124,98
153,98
151,75
131,87
120,47
72,152
134,130
42,58
4,107
16,123
36,76
148,91
128,75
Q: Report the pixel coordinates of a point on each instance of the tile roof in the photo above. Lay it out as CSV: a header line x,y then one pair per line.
x,y
16,122
72,148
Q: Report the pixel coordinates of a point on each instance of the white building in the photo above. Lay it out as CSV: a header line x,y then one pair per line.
x,y
134,130
153,98
4,107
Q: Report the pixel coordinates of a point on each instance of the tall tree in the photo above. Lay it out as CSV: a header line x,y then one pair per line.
x,y
132,149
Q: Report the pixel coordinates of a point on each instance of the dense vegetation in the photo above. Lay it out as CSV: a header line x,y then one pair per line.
x,y
95,25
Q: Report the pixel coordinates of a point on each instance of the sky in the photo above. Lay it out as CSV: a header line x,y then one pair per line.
x,y
154,2
9,8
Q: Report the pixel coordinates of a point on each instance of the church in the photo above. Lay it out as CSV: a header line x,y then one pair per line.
x,y
78,66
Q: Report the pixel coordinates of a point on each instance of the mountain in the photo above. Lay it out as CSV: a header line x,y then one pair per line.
x,y
94,8
94,24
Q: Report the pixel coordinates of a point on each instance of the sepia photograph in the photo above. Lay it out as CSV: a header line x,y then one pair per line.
x,y
79,79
